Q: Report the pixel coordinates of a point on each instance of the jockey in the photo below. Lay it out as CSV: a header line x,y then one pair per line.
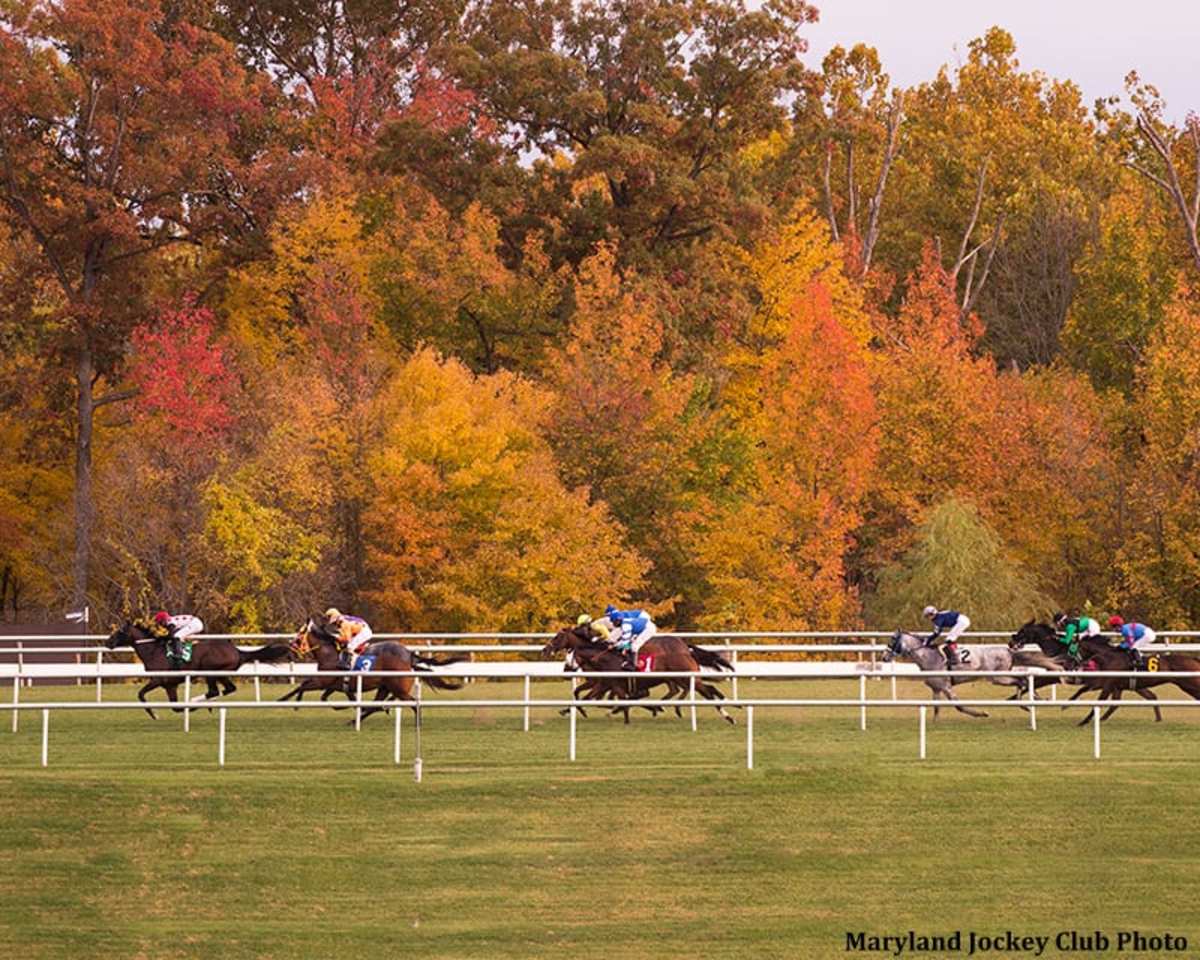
x,y
1072,629
178,629
354,633
952,621
597,629
1134,636
631,630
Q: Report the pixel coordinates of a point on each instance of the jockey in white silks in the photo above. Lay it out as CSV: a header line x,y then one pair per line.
x,y
179,628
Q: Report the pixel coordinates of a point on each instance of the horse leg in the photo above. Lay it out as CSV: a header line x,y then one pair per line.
x,y
1149,695
709,692
171,690
1104,695
969,711
227,685
1083,688
381,694
152,685
1118,689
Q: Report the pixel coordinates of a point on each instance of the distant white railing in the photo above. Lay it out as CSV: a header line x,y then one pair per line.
x,y
571,705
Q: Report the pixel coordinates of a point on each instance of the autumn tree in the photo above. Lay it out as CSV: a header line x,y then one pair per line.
x,y
471,526
650,100
120,130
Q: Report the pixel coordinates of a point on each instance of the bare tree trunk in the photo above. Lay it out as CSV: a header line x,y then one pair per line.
x,y
833,227
1189,211
875,205
84,512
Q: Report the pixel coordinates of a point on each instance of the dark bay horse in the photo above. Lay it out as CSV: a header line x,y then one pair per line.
x,y
1098,656
316,639
1106,657
214,654
671,655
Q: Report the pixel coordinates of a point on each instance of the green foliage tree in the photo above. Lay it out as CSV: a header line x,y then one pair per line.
x,y
957,561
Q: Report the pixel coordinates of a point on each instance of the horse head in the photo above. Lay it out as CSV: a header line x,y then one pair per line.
x,y
565,639
1031,632
309,637
121,636
898,646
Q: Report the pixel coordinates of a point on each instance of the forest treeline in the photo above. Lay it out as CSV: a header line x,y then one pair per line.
x,y
475,314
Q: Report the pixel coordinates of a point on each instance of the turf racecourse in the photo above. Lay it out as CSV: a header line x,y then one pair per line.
x,y
656,842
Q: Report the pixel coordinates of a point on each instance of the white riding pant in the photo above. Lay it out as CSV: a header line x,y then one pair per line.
x,y
185,626
1148,637
640,640
956,631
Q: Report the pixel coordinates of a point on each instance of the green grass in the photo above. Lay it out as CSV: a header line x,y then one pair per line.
x,y
656,842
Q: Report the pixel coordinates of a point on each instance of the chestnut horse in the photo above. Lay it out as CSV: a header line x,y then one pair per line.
x,y
316,639
212,654
671,655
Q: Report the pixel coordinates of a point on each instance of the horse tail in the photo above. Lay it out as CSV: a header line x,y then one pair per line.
x,y
423,660
710,658
268,654
424,664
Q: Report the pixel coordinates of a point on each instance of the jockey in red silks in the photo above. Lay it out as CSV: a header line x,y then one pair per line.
x,y
1134,636
179,628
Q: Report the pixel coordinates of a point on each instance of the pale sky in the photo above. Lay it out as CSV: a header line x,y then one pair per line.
x,y
1093,42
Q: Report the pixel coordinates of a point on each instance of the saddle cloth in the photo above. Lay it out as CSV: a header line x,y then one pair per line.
x,y
364,663
645,662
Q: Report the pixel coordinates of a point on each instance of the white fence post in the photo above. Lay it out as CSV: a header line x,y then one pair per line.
x,y
571,742
692,697
418,762
922,750
358,703
750,737
526,703
99,677
187,703
45,738
733,659
1096,732
862,695
1032,681
396,744
221,737
893,683
257,684
16,700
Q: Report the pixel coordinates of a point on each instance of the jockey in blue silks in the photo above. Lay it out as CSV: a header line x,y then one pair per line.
x,y
631,630
954,623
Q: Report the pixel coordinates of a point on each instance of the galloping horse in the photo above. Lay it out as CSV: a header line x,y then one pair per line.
x,y
212,654
1045,637
982,657
670,655
389,655
1106,657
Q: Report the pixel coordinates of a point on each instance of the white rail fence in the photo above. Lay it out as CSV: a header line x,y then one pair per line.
x,y
571,706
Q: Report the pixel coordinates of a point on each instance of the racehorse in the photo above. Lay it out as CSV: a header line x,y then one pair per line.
x,y
1046,638
388,654
1106,657
212,654
303,643
992,656
670,655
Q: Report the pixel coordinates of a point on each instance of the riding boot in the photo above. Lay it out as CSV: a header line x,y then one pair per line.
x,y
630,661
951,656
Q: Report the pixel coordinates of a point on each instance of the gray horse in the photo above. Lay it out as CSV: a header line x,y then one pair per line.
x,y
992,656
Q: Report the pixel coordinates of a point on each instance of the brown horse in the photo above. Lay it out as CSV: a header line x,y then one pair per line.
x,y
671,655
307,639
319,641
1105,657
213,654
